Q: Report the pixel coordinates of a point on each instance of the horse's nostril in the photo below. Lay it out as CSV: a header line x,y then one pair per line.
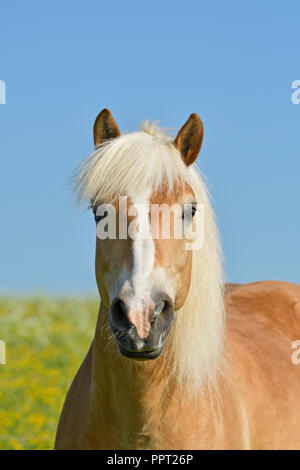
x,y
159,307
119,314
166,315
121,307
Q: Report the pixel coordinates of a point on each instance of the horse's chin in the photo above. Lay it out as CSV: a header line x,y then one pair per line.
x,y
140,355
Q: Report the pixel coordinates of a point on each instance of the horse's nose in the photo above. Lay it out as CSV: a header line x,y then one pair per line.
x,y
119,314
142,313
164,312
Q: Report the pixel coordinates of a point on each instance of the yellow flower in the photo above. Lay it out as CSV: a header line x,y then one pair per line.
x,y
46,340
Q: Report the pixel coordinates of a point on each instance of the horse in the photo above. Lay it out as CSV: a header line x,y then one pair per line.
x,y
179,359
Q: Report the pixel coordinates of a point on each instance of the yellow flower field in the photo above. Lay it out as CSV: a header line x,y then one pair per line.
x,y
46,340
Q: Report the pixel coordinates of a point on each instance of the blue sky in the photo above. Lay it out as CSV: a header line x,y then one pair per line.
x,y
231,62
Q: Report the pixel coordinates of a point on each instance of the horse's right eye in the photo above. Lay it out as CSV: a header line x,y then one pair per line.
x,y
99,217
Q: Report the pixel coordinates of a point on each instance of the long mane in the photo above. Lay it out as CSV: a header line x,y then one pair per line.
x,y
148,158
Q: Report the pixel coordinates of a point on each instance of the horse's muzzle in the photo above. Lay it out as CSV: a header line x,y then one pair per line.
x,y
140,355
141,334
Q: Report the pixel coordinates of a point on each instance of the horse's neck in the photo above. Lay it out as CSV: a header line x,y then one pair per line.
x,y
132,402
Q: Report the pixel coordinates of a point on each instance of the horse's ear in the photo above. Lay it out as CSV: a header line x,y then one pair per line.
x,y
189,139
105,127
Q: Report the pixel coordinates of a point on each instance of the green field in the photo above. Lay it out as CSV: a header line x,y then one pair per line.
x,y
46,340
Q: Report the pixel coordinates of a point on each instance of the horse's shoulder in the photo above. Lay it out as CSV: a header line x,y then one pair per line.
x,y
278,301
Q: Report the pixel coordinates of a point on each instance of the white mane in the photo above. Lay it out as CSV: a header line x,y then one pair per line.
x,y
130,163
148,158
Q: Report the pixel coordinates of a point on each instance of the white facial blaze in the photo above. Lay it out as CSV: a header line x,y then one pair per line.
x,y
143,256
143,249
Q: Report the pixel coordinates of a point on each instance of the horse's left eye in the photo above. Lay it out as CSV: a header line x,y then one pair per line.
x,y
189,211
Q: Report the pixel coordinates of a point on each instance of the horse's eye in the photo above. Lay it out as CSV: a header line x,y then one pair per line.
x,y
189,211
100,217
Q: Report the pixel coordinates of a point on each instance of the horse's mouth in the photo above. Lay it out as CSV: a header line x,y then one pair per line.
x,y
140,355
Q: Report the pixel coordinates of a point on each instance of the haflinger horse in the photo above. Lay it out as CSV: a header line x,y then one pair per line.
x,y
178,361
